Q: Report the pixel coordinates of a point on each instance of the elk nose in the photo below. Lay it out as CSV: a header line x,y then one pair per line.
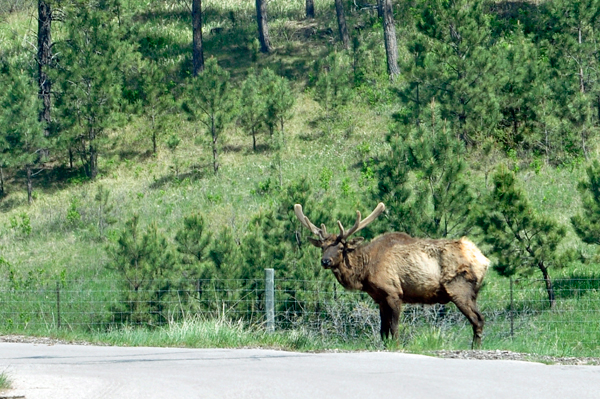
x,y
326,262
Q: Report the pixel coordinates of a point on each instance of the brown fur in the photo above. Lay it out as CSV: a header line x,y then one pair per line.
x,y
396,268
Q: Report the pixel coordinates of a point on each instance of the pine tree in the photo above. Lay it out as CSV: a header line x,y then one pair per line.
x,y
197,53
156,100
22,132
521,239
105,209
333,85
263,26
279,100
520,90
587,223
574,55
280,103
460,64
342,27
310,8
193,240
423,180
210,100
148,269
253,106
275,239
389,36
44,58
90,77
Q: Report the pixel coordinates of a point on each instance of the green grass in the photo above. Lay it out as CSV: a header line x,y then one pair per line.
x,y
5,381
211,333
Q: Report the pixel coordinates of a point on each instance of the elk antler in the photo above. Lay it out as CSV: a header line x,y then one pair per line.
x,y
358,225
322,232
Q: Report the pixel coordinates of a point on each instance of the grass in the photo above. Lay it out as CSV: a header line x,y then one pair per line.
x,y
5,381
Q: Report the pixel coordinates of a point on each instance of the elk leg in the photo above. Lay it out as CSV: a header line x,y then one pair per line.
x,y
385,312
463,295
389,311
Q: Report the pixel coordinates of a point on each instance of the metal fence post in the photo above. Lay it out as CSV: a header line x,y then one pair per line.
x,y
270,298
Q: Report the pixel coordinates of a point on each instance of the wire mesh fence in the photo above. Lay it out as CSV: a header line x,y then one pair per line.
x,y
321,307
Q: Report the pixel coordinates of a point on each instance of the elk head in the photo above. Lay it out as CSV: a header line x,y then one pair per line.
x,y
336,246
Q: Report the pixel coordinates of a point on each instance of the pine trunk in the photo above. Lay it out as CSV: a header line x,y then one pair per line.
x,y
198,54
549,287
93,162
214,146
29,185
581,76
310,9
341,17
1,181
92,155
44,57
389,35
153,134
263,29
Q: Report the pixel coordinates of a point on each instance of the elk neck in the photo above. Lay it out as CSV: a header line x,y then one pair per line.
x,y
351,272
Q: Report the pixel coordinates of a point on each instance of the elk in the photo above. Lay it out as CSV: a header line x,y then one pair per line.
x,y
395,268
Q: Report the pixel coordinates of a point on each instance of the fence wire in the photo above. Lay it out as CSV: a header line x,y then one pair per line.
x,y
322,307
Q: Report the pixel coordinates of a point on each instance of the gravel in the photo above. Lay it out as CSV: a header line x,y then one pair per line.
x,y
448,354
508,355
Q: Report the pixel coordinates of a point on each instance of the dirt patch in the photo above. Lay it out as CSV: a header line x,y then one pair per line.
x,y
22,339
508,355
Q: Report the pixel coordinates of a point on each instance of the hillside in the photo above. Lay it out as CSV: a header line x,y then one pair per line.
x,y
521,113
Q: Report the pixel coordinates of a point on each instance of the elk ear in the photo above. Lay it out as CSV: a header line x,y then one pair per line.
x,y
354,243
316,243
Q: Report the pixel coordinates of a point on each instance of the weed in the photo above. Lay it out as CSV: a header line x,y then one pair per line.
x,y
5,381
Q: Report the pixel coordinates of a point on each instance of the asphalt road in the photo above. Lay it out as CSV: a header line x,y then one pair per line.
x,y
84,372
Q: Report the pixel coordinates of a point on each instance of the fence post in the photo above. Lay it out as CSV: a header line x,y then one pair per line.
x,y
512,313
270,298
58,303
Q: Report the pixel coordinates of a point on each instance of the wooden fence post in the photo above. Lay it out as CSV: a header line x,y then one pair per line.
x,y
270,298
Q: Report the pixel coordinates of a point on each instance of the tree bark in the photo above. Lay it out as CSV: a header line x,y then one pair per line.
x,y
380,8
263,28
310,8
44,57
197,52
581,76
93,162
29,186
341,17
389,35
1,181
214,146
549,287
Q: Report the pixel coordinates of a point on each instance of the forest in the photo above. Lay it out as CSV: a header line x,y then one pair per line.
x,y
162,144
